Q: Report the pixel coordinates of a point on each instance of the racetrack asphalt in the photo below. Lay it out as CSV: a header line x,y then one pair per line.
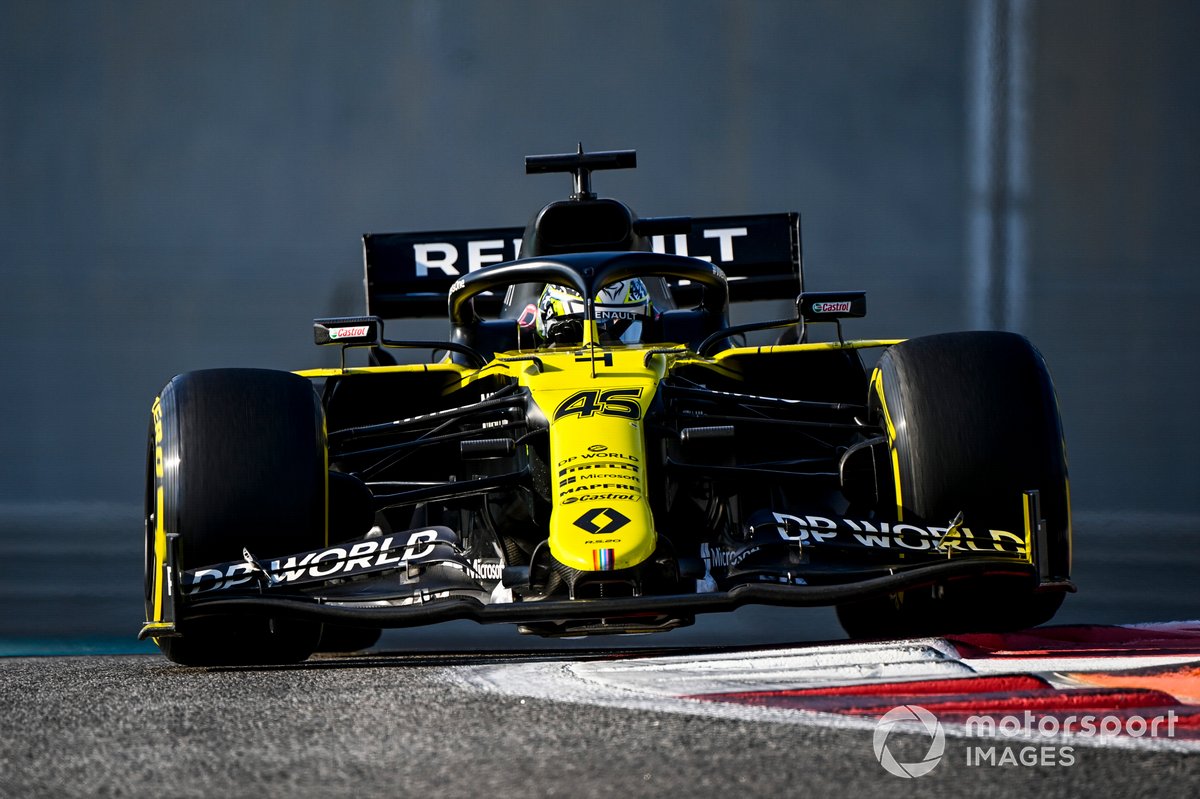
x,y
417,726
414,718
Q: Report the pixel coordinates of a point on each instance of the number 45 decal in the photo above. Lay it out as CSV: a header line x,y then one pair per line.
x,y
620,402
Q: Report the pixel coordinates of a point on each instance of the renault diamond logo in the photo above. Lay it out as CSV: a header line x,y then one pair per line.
x,y
592,520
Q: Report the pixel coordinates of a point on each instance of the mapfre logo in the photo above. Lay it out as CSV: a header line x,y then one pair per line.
x,y
917,720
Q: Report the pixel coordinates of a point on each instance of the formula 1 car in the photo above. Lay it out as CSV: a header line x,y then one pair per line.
x,y
594,449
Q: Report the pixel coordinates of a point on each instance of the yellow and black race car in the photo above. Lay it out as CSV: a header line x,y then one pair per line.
x,y
593,448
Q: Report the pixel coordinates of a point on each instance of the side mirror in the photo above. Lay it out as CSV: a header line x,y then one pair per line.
x,y
348,331
829,306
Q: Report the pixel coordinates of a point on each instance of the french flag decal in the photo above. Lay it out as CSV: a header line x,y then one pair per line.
x,y
603,559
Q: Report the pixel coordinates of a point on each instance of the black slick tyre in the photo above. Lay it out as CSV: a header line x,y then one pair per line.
x,y
348,639
236,460
972,423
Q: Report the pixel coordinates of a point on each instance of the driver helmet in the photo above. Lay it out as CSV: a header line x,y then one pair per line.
x,y
622,308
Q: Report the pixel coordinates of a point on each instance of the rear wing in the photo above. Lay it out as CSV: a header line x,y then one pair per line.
x,y
408,275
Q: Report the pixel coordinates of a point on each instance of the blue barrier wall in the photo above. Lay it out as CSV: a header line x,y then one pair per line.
x,y
185,184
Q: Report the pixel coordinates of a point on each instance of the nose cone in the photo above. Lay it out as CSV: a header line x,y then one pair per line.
x,y
602,534
601,519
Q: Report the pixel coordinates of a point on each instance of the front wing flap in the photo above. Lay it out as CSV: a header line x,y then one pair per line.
x,y
423,576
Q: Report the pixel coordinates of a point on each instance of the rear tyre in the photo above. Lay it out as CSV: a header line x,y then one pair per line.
x,y
972,422
237,460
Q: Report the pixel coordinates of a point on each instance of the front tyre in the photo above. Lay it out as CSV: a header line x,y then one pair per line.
x,y
236,460
972,423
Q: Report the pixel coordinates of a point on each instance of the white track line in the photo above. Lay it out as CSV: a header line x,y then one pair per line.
x,y
661,684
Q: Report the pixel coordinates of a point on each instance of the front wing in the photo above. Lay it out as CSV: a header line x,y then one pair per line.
x,y
422,576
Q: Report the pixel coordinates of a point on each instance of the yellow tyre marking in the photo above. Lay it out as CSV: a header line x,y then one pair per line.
x,y
160,531
1030,522
877,384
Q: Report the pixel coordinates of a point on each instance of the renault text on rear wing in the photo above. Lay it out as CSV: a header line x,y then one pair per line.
x,y
409,274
